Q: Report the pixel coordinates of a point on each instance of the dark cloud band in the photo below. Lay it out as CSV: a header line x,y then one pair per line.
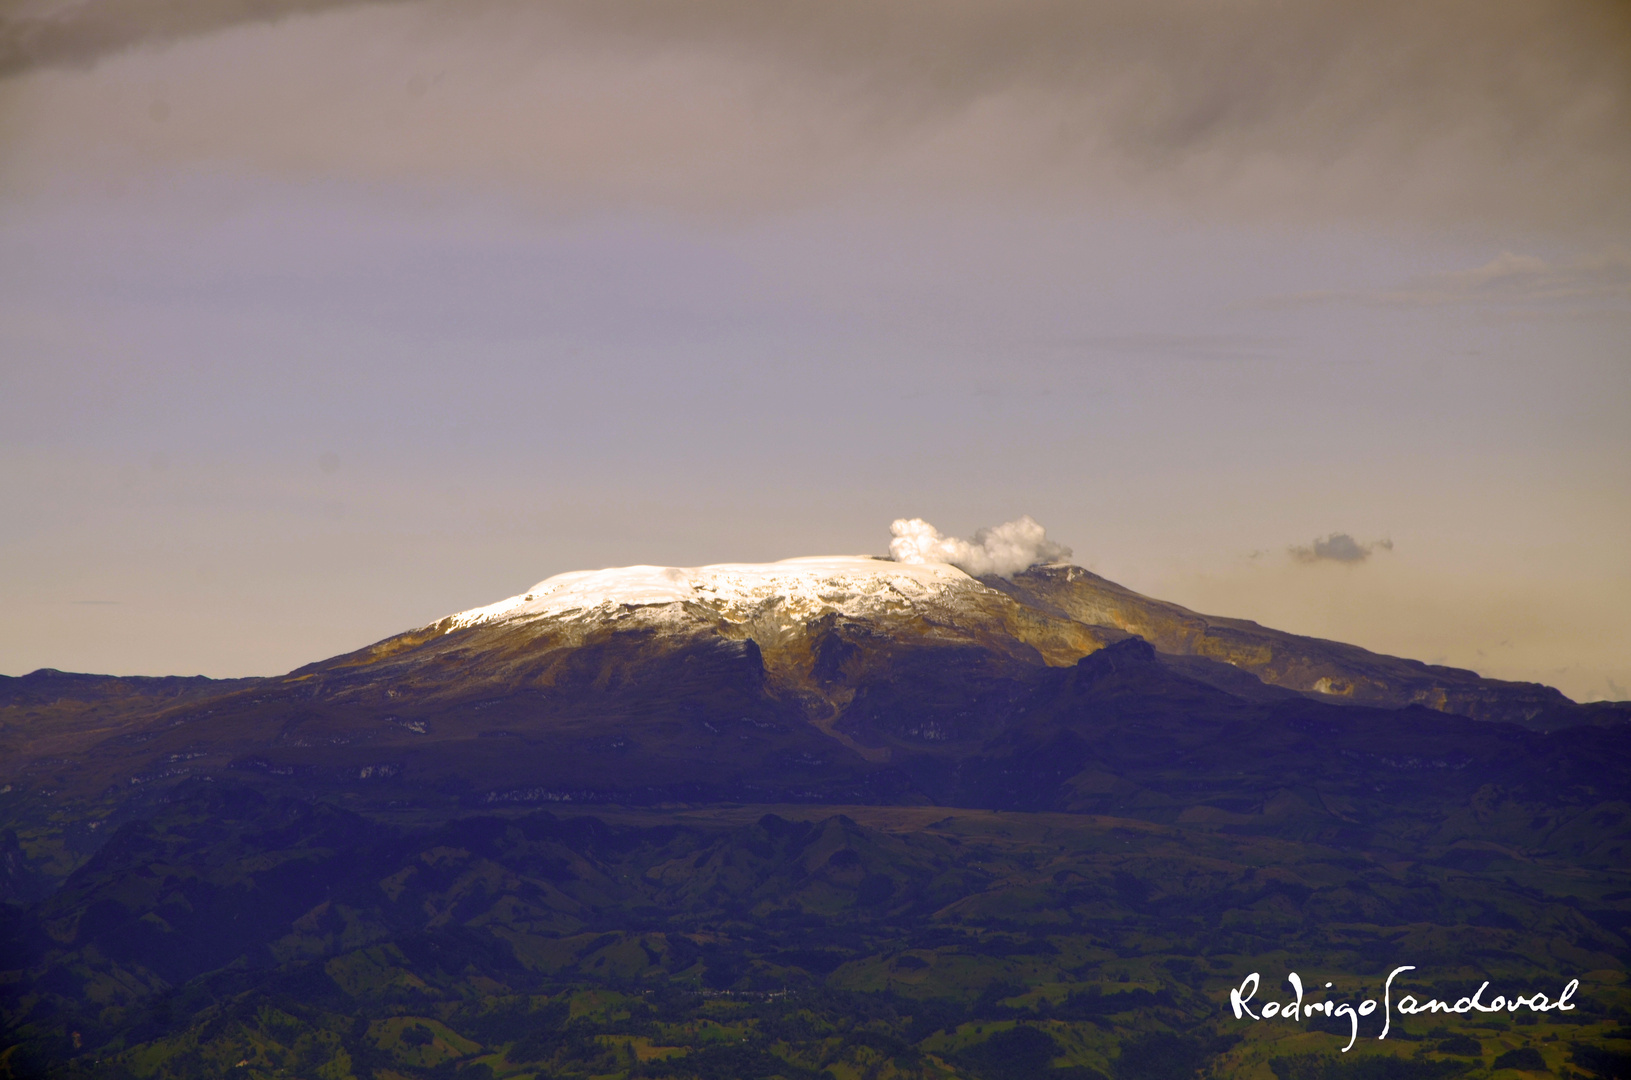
x,y
1507,110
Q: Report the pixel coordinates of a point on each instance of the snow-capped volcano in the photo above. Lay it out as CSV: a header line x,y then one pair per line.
x,y
839,678
828,638
1001,596
804,588
980,672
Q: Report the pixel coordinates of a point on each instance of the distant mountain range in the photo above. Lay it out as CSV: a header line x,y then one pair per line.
x,y
842,681
827,679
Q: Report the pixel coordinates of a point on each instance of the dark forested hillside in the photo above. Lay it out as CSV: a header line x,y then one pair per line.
x,y
234,930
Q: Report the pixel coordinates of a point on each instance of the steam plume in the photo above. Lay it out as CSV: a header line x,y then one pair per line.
x,y
1003,550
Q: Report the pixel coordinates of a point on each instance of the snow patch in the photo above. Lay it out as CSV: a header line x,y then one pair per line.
x,y
803,587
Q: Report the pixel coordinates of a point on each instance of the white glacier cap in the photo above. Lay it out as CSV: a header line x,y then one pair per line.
x,y
806,586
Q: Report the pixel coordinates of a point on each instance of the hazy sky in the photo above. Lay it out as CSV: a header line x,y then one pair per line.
x,y
320,320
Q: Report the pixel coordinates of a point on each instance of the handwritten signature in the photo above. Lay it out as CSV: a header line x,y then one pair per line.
x,y
1240,1000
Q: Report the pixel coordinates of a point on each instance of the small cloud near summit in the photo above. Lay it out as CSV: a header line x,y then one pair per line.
x,y
1003,550
1338,547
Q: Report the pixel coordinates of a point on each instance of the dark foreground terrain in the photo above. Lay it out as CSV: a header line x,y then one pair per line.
x,y
236,933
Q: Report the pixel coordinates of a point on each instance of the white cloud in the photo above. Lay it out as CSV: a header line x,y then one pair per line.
x,y
1526,279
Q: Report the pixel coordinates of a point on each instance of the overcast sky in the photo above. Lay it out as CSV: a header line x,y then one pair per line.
x,y
320,320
